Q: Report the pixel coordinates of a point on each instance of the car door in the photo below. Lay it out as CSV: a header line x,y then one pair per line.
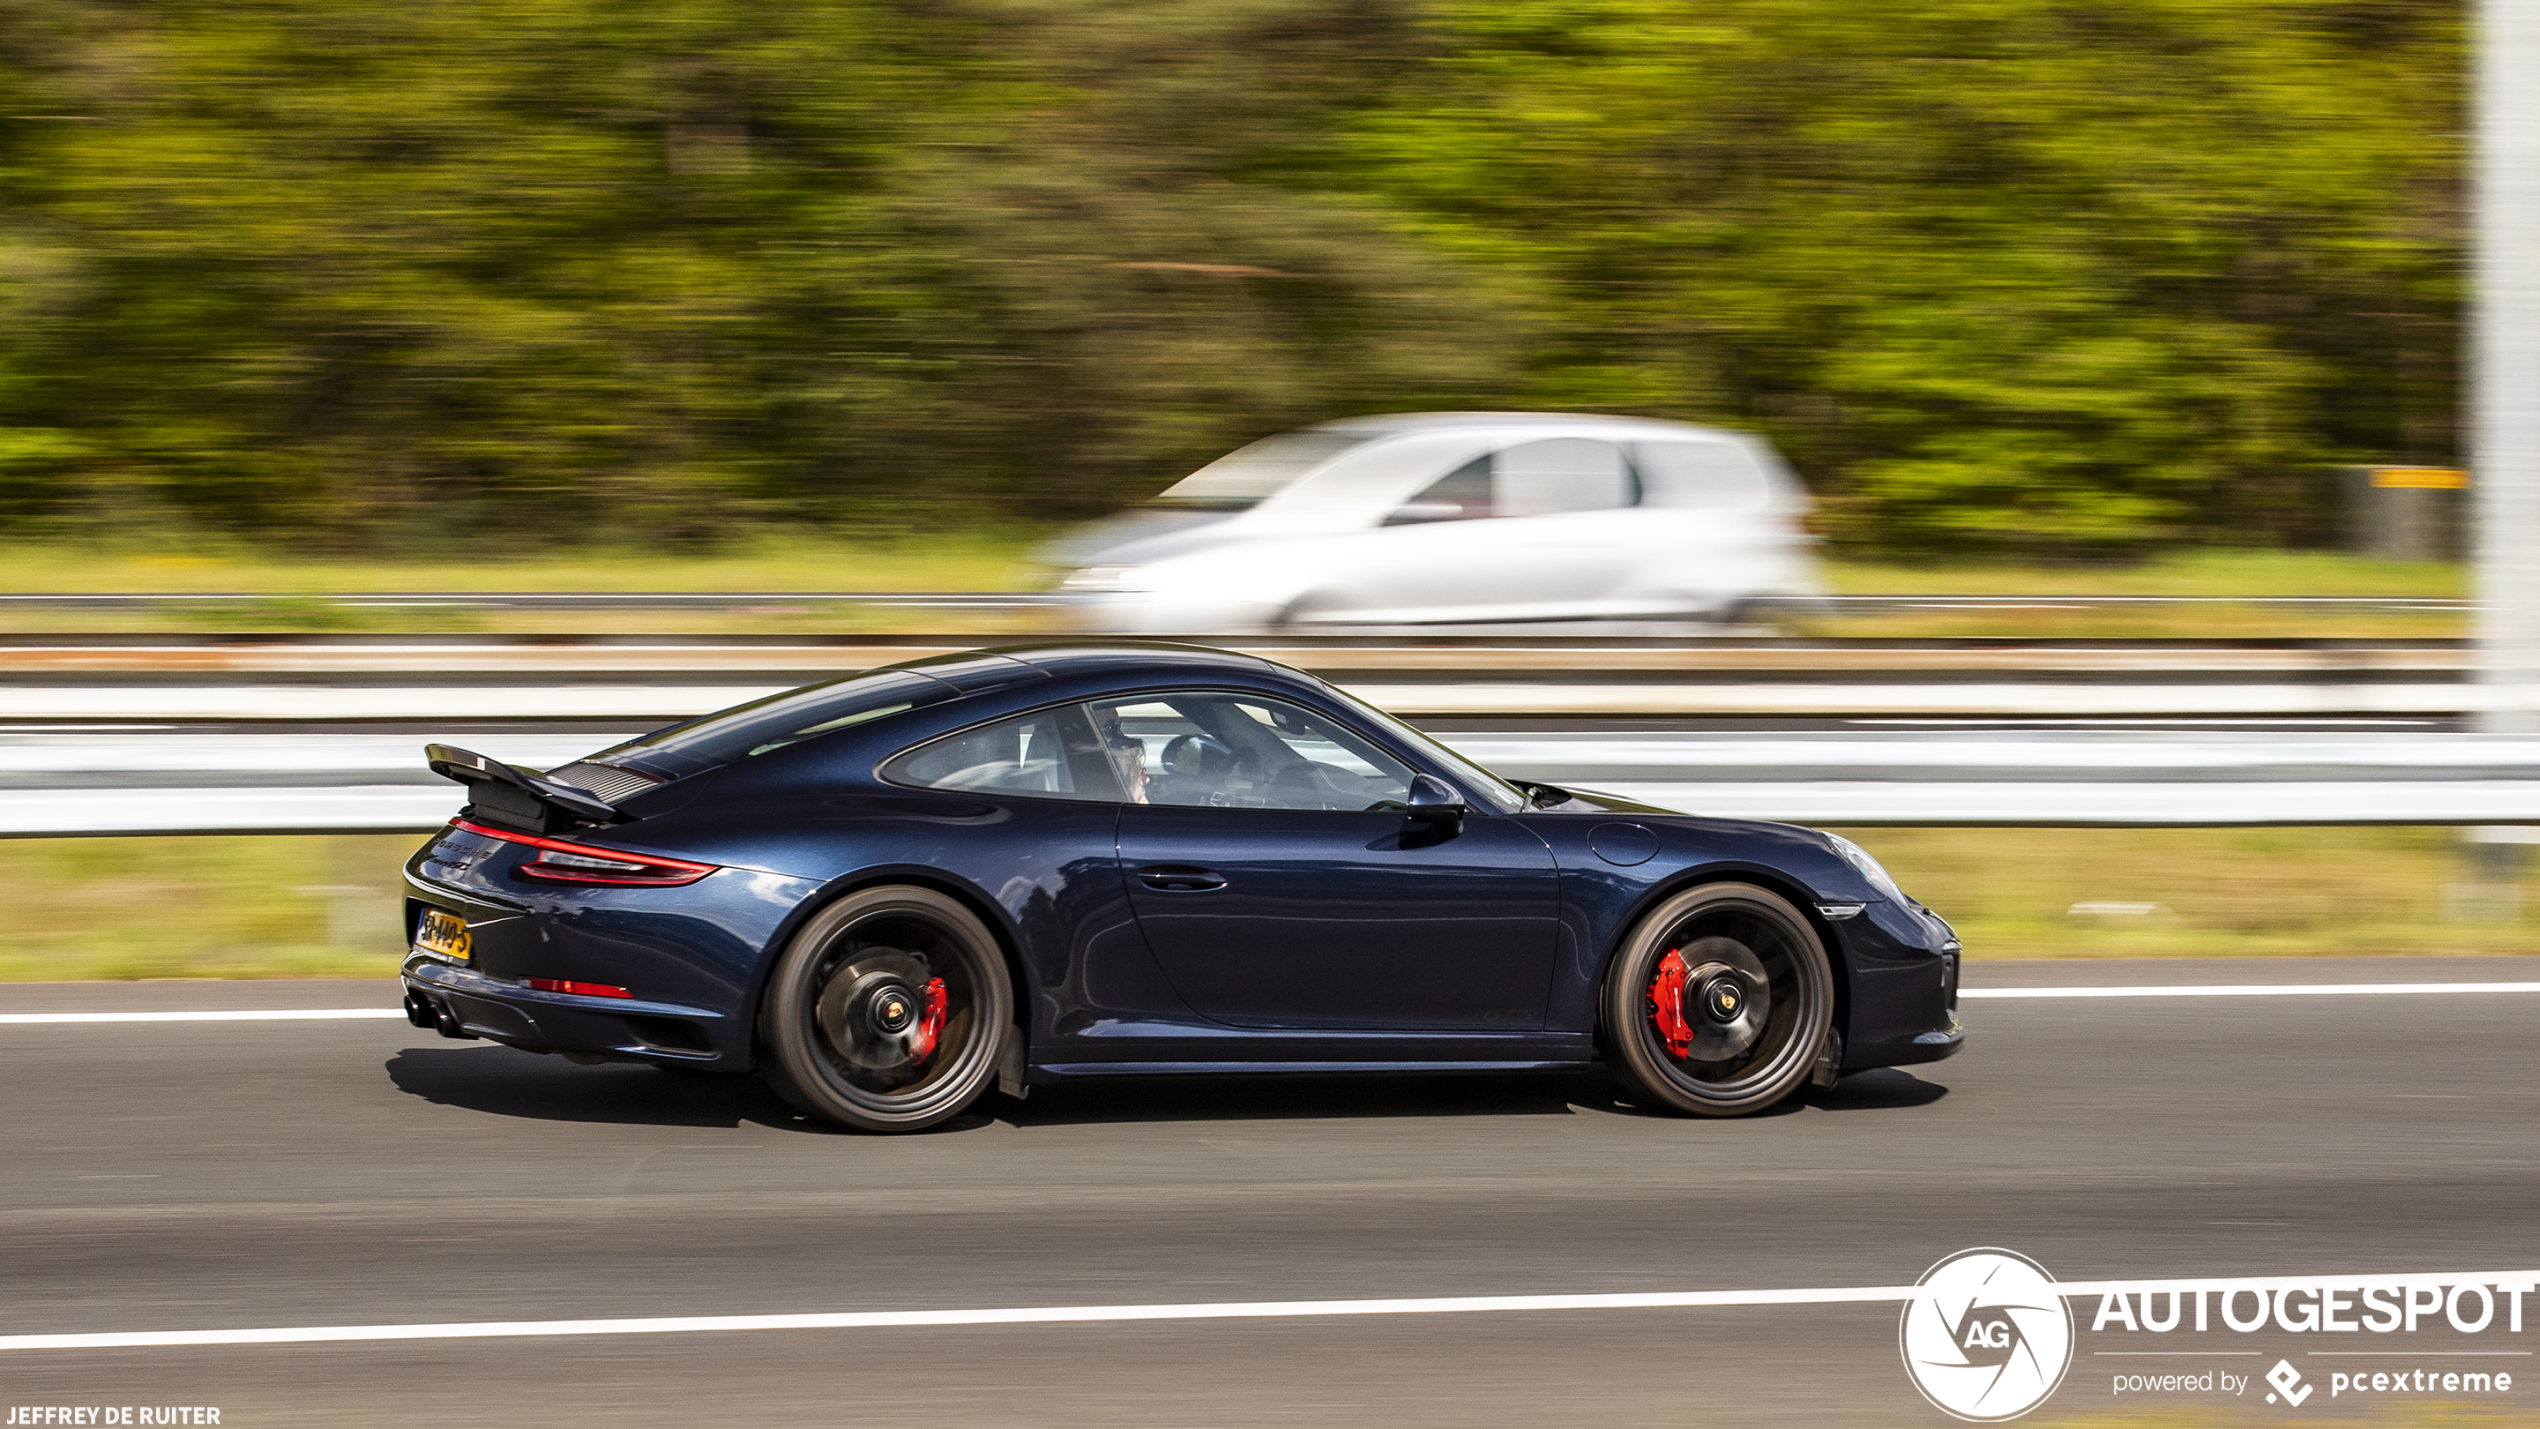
x,y
1265,852
1567,511
1712,532
1529,532
1431,560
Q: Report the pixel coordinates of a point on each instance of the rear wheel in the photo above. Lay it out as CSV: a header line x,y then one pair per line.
x,y
887,1011
1719,1003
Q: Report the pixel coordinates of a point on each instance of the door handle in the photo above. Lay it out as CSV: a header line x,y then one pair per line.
x,y
1179,878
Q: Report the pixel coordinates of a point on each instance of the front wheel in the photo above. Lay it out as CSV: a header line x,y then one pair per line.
x,y
1719,1003
887,1011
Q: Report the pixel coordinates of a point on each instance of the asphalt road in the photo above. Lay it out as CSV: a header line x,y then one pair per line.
x,y
218,1175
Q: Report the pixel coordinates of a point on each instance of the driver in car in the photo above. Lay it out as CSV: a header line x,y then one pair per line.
x,y
1129,756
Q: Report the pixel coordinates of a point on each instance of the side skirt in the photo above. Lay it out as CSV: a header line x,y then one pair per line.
x,y
1058,1071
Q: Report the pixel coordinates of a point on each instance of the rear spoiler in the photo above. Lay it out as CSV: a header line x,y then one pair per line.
x,y
505,795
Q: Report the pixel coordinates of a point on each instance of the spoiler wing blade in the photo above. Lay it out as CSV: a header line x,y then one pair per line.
x,y
506,795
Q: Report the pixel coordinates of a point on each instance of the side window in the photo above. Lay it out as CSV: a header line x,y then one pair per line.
x,y
1463,494
1229,751
1715,476
1564,474
1051,753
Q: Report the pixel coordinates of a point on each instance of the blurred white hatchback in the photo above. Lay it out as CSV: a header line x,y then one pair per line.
x,y
1454,518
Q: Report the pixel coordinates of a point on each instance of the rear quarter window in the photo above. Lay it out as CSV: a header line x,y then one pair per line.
x,y
1710,476
1048,754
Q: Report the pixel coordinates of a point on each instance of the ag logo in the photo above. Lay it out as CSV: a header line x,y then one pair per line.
x,y
1987,1336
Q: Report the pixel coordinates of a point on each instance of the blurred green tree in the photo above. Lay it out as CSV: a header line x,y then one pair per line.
x,y
2008,273
1998,273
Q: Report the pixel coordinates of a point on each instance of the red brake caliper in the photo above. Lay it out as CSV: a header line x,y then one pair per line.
x,y
930,1022
1667,1004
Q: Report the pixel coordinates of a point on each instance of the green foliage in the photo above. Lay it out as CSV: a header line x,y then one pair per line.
x,y
1998,273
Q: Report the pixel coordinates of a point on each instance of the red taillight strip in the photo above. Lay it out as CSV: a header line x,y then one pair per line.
x,y
578,989
674,871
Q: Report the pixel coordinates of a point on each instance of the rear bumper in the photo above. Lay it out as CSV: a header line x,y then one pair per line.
x,y
616,1029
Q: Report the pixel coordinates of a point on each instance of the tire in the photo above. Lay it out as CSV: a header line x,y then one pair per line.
x,y
845,1020
1754,1002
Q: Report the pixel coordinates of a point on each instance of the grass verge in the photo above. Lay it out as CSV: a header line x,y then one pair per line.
x,y
306,905
875,560
329,905
279,594
2192,573
2212,893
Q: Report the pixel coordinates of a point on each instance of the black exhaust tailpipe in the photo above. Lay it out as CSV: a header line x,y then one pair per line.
x,y
448,1025
429,1012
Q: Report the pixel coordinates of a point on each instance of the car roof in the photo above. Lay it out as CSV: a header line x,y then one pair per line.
x,y
1581,422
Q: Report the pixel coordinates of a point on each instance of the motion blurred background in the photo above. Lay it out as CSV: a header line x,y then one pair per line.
x,y
303,298
2006,277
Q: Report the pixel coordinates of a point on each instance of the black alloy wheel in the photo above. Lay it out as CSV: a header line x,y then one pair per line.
x,y
887,1012
1719,1003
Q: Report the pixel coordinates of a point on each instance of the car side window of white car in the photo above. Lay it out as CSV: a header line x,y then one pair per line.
x,y
1560,476
1463,494
1227,751
1714,476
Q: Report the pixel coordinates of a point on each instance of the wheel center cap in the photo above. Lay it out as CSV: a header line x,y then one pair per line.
x,y
894,1008
1723,1000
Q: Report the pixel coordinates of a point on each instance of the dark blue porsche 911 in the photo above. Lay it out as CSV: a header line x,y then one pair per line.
x,y
892,892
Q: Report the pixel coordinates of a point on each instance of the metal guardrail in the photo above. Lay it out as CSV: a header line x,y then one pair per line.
x,y
88,779
315,679
157,782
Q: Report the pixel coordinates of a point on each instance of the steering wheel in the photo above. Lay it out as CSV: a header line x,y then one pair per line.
x,y
1197,753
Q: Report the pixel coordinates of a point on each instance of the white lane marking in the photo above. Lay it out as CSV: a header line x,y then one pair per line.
x,y
1121,1314
296,1014
2255,989
899,1319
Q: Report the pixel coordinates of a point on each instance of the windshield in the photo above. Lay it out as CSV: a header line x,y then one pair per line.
x,y
1247,477
1498,791
790,717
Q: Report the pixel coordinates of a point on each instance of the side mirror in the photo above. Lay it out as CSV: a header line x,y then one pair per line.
x,y
1433,807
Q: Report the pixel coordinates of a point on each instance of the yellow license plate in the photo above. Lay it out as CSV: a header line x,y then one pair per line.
x,y
443,933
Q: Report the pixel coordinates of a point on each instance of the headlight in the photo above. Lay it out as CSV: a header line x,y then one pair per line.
x,y
1859,858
